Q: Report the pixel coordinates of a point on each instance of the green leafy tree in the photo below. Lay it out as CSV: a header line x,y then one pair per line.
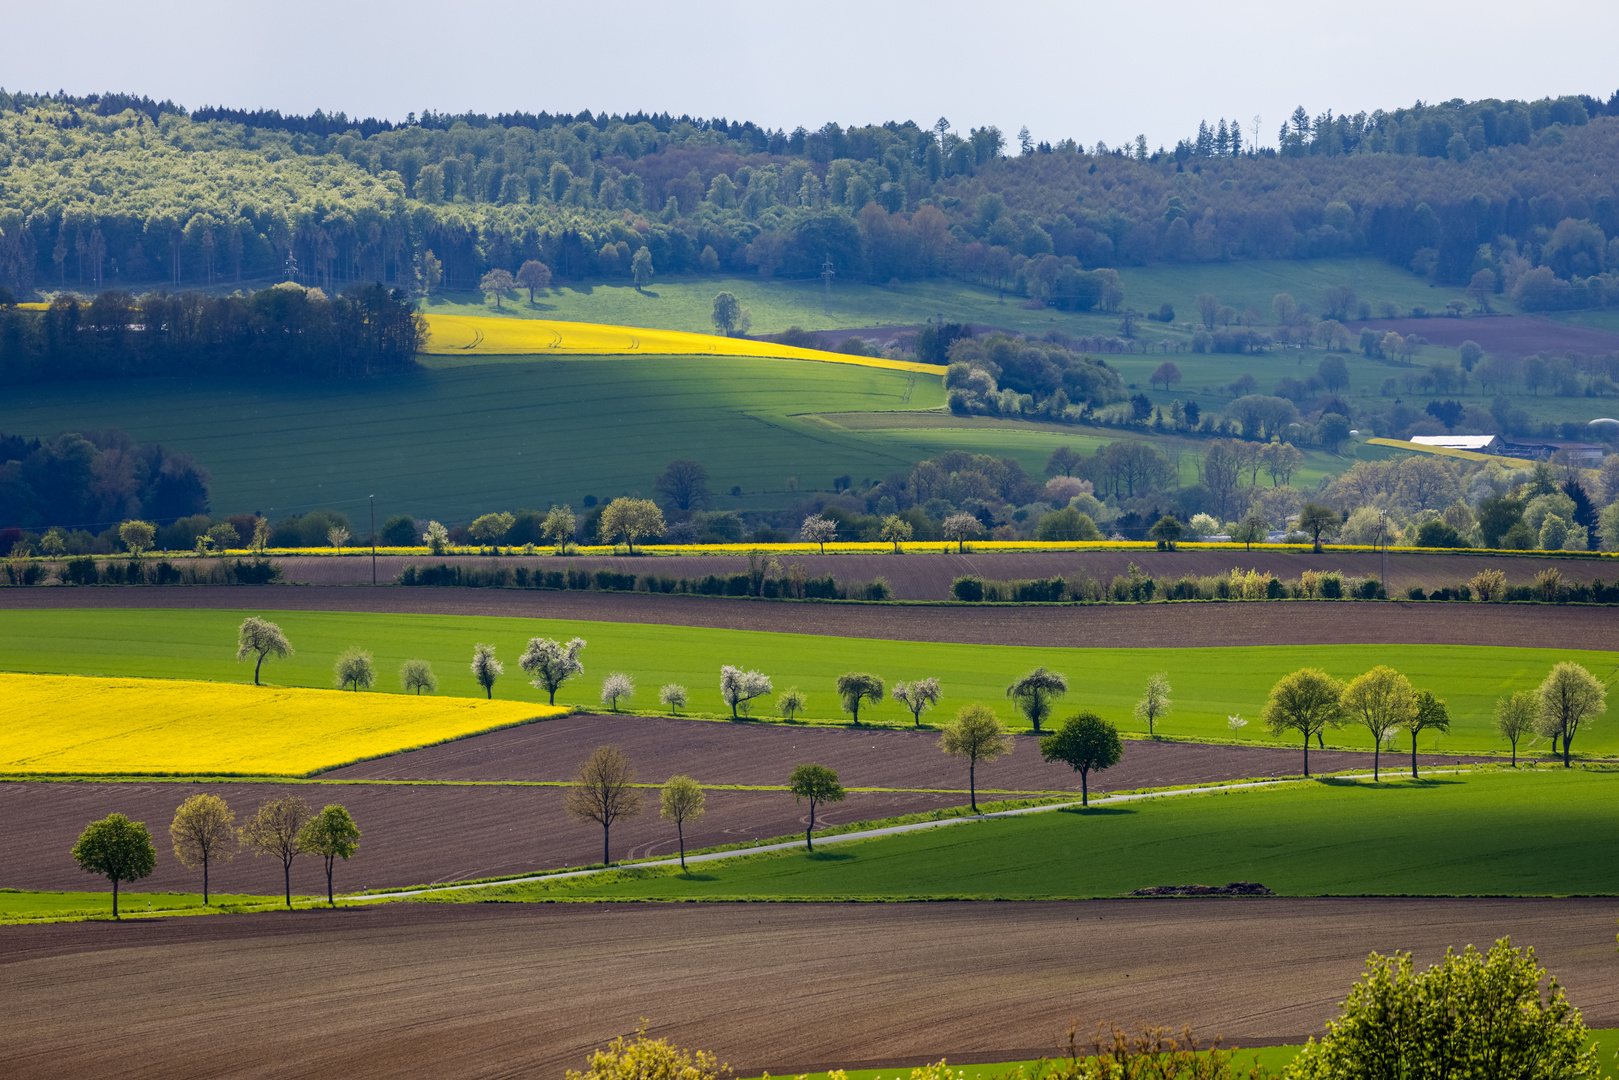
x,y
1154,704
727,309
631,519
273,830
641,268
1084,742
262,639
558,527
681,801
1167,531
137,536
1251,530
1515,718
1428,714
354,669
1308,701
203,832
486,669
1319,521
331,834
896,530
497,283
819,785
978,735
416,676
1064,459
534,276
791,702
1381,700
1034,693
1569,697
553,663
855,687
604,791
489,528
118,849
1469,1015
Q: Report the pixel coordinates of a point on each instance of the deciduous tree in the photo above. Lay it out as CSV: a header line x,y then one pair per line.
x,y
1084,742
681,801
486,669
918,696
855,687
818,530
497,283
558,527
791,702
274,829
819,785
1428,714
261,638
553,663
685,484
738,687
489,528
641,268
604,791
896,530
1319,521
631,519
1570,696
1381,701
137,536
204,832
534,276
1515,718
1308,701
331,834
727,309
672,695
1166,373
1154,703
978,735
416,676
118,849
615,688
962,527
1034,693
354,669
1063,460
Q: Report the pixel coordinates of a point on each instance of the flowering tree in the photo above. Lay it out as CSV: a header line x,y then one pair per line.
x,y
616,686
961,528
552,663
818,530
673,695
739,687
486,669
918,696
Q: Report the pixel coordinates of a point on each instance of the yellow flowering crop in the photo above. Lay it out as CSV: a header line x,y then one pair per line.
x,y
1451,452
74,724
461,335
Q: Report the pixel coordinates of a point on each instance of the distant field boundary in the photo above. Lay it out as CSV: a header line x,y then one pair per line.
x,y
1445,451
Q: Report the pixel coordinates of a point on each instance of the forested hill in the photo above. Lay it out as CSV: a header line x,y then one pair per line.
x,y
117,191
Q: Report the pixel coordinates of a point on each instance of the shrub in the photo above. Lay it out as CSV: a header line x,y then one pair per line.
x,y
1331,585
970,588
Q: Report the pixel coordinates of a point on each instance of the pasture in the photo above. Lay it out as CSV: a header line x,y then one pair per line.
x,y
1211,683
64,725
1525,833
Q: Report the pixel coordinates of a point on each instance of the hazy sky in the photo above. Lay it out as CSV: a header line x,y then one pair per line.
x,y
1087,71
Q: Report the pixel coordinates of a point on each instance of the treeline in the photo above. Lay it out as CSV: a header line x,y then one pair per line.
x,y
766,578
90,482
282,330
1448,189
84,570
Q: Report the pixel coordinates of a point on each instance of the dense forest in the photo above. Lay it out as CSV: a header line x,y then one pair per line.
x,y
117,191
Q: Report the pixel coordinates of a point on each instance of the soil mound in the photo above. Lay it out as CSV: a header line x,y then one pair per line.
x,y
1235,888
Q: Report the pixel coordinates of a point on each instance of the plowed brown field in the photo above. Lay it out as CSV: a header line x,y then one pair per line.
x,y
497,990
1147,625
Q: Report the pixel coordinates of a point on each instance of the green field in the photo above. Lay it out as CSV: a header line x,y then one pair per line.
x,y
1210,684
1498,833
21,906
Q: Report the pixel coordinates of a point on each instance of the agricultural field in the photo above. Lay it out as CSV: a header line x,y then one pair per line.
x,y
1212,683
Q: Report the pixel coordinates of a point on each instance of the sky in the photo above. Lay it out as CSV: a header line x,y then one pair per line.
x,y
1082,70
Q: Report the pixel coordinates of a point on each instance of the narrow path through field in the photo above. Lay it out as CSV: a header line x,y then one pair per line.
x,y
1161,625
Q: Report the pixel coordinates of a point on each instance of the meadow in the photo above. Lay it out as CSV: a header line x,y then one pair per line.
x,y
28,906
115,726
1211,683
1495,833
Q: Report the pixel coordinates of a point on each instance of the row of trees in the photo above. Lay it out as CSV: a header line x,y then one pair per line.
x,y
204,834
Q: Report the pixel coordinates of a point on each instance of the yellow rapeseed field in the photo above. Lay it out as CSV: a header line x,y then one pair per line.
x,y
1450,452
461,335
78,725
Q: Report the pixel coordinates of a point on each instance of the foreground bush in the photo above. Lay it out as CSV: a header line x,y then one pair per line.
x,y
650,1059
1469,1015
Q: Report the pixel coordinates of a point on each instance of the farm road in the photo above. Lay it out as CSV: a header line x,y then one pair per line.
x,y
1323,622
500,990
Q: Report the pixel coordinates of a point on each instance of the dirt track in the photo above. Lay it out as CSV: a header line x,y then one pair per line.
x,y
1149,625
483,991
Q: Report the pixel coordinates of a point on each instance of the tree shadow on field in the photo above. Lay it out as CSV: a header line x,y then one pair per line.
x,y
537,306
649,294
1097,811
695,877
828,856
1391,782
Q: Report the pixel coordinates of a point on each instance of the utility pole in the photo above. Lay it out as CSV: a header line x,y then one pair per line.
x,y
373,539
827,274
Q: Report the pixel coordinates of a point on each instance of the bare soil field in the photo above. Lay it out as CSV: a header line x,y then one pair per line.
x,y
1514,335
1296,622
503,990
924,572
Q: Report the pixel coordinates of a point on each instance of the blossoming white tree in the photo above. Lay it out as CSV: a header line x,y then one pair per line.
x,y
552,663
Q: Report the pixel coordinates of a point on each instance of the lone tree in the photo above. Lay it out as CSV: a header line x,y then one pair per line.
x,y
332,835
534,276
791,702
1034,693
553,663
962,527
417,675
204,832
1569,697
855,687
681,801
616,687
1167,531
1428,714
818,530
558,527
1165,373
274,829
137,536
1154,704
1319,521
727,310
1308,701
978,735
486,669
641,268
631,519
818,784
738,687
1381,701
497,283
262,638
919,696
685,484
896,530
604,791
487,529
116,848
354,669
1084,742
1251,530
1515,718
